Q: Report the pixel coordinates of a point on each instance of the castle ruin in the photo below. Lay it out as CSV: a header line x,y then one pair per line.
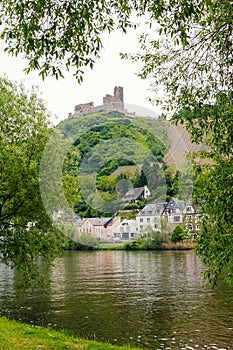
x,y
110,103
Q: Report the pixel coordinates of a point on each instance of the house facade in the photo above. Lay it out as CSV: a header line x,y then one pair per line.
x,y
150,217
173,213
100,228
192,221
127,229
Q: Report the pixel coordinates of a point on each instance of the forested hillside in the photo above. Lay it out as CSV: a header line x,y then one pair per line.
x,y
112,153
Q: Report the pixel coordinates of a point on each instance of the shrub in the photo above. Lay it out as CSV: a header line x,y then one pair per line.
x,y
178,234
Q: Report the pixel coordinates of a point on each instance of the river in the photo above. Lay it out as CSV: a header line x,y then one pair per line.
x,y
153,299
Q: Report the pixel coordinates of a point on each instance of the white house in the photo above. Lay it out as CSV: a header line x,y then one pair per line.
x,y
173,212
150,217
127,229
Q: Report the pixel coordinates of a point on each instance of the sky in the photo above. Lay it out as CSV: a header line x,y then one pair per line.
x,y
110,70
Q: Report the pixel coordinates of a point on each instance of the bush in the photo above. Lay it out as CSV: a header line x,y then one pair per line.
x,y
151,241
178,235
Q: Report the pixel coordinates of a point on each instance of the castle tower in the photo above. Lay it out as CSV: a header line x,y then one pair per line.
x,y
115,102
118,93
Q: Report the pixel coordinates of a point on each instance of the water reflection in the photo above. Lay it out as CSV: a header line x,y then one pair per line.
x,y
151,299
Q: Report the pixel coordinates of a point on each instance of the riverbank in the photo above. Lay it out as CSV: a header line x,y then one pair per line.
x,y
17,336
132,246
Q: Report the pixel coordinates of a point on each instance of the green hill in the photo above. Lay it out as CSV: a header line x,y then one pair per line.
x,y
111,148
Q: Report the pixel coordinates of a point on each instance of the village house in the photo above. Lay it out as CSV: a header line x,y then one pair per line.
x,y
150,217
173,213
136,194
192,221
127,229
100,228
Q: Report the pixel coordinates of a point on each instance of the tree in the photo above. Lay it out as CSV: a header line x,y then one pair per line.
x,y
188,55
178,234
52,34
214,188
26,231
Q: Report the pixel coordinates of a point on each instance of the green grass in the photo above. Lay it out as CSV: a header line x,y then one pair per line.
x,y
164,246
112,247
17,336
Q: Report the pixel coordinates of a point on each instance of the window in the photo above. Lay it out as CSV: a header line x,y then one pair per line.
x,y
141,219
177,218
147,219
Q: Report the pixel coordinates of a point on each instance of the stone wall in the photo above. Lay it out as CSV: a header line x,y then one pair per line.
x,y
83,106
110,103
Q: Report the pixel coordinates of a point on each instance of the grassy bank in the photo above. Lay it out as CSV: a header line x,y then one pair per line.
x,y
17,336
179,246
133,245
142,244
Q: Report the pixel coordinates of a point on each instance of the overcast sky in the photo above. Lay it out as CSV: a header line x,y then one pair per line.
x,y
61,96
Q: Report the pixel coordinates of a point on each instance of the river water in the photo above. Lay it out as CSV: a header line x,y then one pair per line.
x,y
156,300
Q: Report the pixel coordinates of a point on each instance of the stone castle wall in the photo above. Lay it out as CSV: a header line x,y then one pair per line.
x,y
110,103
81,107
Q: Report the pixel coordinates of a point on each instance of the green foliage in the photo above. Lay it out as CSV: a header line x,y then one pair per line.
x,y
60,34
112,165
212,125
174,181
106,184
136,206
128,214
108,130
26,231
188,54
178,234
68,34
149,241
83,242
113,141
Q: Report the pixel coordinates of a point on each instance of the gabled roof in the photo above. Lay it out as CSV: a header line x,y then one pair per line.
x,y
99,221
78,222
127,223
153,209
174,203
189,209
134,193
115,219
